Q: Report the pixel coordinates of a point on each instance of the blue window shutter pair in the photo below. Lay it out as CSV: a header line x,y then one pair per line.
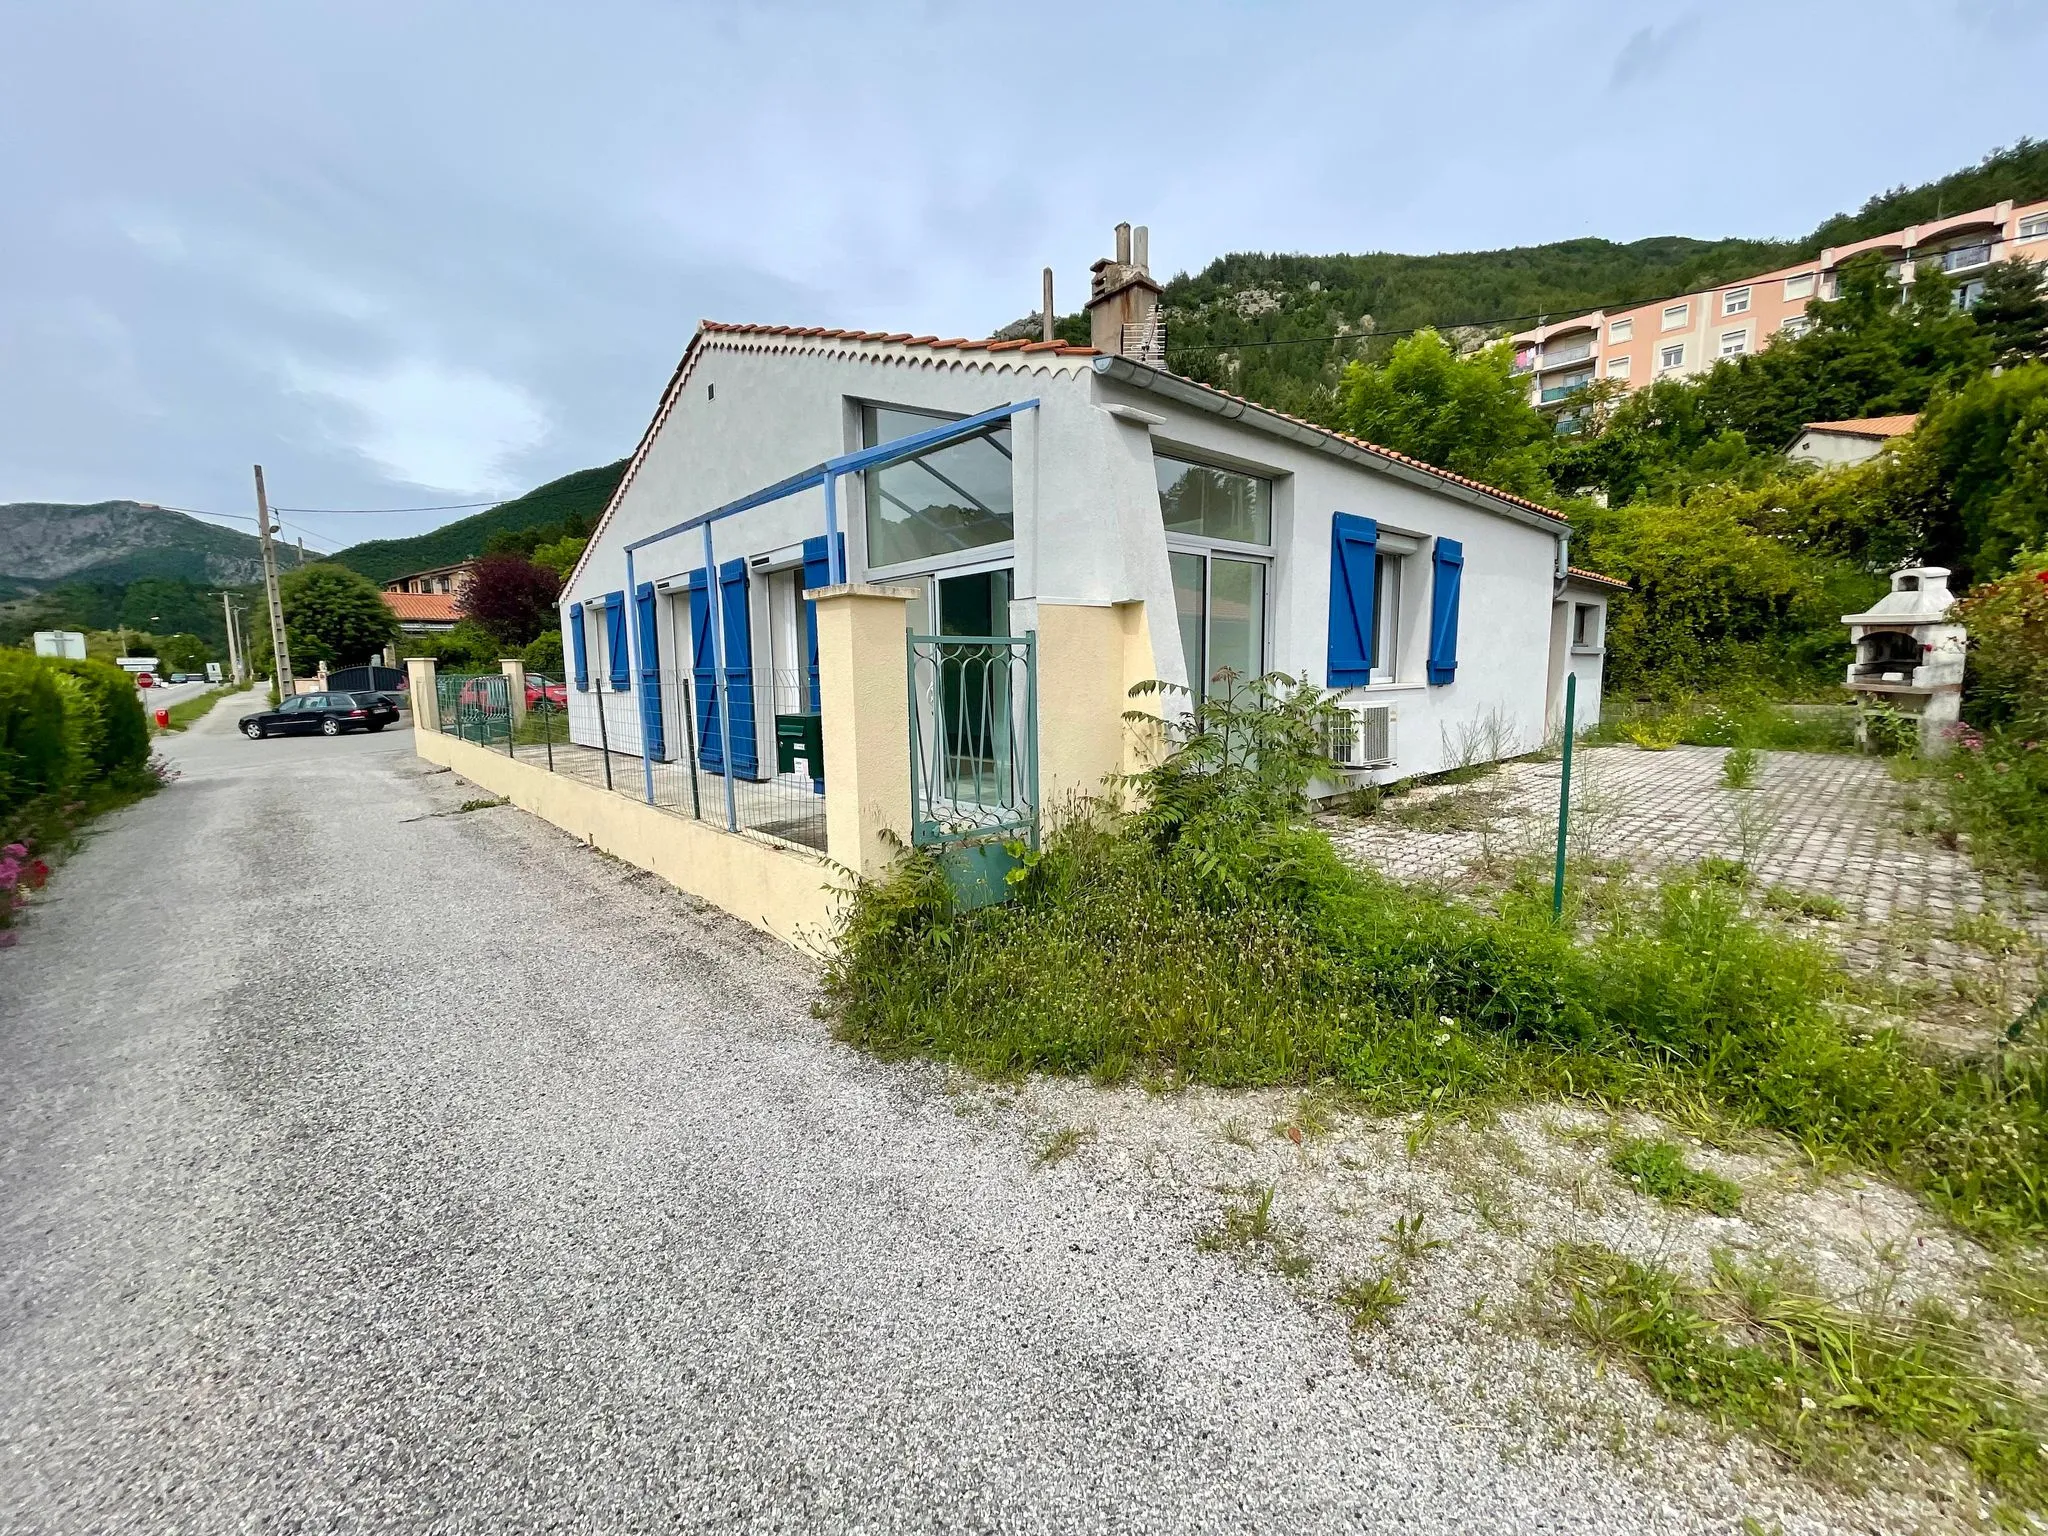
x,y
817,573
1354,562
739,669
615,641
650,673
1443,610
579,646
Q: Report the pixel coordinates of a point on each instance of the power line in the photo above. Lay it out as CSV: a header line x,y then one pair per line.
x,y
451,506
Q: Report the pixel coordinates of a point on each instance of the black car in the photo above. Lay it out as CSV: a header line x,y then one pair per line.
x,y
328,713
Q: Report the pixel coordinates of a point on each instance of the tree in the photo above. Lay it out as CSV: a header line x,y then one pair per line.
x,y
561,555
1469,415
2012,312
1984,457
511,597
331,614
182,653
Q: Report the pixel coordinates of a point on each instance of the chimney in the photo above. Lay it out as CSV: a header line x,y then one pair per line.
x,y
1123,301
1045,310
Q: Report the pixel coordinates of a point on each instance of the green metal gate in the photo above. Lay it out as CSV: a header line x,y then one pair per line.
x,y
974,754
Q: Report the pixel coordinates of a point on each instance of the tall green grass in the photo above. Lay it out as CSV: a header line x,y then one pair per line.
x,y
1212,938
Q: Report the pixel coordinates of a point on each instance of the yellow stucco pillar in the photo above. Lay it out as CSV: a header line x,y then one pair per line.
x,y
1089,655
515,687
420,689
864,695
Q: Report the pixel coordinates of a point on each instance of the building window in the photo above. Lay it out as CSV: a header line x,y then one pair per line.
x,y
1585,626
2034,226
1203,502
1219,595
1735,301
1386,618
1796,327
1621,330
1617,367
1676,315
953,498
1734,343
1968,293
1800,287
1672,357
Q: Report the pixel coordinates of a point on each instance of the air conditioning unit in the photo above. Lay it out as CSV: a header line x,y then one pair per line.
x,y
1362,738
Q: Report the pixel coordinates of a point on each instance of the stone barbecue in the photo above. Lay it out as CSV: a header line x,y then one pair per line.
x,y
1908,656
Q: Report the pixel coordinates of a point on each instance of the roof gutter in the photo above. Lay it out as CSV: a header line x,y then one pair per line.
x,y
1182,392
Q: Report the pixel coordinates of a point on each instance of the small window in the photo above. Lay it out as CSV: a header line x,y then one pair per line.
x,y
1386,618
1672,357
1796,327
1203,502
1617,367
1585,626
2034,226
1800,287
1676,315
1621,330
1734,343
949,499
1735,301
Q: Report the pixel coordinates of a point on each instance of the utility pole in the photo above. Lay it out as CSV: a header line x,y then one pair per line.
x,y
280,647
227,613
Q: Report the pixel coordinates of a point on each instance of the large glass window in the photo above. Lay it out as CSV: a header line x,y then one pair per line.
x,y
1221,606
1208,503
954,498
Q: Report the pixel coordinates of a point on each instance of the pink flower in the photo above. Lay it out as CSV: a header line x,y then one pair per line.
x,y
8,938
16,850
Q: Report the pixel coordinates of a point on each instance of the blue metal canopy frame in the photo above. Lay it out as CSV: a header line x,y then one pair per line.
x,y
825,475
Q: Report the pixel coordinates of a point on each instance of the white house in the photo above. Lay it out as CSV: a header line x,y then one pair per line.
x,y
1138,523
1834,444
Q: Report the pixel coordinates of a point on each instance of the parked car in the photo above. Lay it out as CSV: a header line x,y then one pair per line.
x,y
328,713
485,695
544,692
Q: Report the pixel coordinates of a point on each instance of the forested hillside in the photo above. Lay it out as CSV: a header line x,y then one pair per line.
x,y
1252,322
573,498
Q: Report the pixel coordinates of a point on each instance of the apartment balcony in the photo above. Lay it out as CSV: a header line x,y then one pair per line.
x,y
1564,389
1565,356
1967,258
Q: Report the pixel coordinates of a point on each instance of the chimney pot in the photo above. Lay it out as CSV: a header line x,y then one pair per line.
x,y
1045,309
1123,245
1141,243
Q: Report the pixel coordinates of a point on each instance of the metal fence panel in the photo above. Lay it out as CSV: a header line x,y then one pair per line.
x,y
973,737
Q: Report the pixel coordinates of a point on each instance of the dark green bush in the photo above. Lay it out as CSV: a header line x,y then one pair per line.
x,y
119,737
33,750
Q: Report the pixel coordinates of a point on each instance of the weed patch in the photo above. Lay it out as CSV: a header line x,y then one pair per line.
x,y
1755,1349
1368,1301
1659,1169
1797,903
1249,1229
1057,1146
1738,768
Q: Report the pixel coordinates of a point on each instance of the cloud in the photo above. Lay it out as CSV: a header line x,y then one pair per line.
x,y
1649,50
423,423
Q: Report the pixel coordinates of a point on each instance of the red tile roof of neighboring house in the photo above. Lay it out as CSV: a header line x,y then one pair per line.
x,y
1596,578
423,607
899,338
1869,426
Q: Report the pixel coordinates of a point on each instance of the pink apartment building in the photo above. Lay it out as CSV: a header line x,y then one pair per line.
x,y
1689,333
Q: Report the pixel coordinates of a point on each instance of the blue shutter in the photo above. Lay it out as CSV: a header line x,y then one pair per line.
x,y
650,673
817,573
615,641
579,646
739,667
1443,610
1354,567
704,677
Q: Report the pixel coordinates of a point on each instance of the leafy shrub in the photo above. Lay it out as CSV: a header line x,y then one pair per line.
x,y
2007,621
1212,937
1997,785
33,750
544,655
118,734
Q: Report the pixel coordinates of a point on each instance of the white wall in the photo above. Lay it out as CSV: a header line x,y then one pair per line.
x,y
1088,521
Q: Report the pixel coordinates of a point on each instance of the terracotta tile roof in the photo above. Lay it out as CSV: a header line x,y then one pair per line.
x,y
1595,577
898,338
423,607
1869,426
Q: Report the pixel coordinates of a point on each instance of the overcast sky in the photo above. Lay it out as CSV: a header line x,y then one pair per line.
x,y
408,252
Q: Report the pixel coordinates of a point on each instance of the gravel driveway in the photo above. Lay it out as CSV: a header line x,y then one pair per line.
x,y
369,1165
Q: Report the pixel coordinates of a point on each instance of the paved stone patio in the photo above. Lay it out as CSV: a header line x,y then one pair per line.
x,y
1828,823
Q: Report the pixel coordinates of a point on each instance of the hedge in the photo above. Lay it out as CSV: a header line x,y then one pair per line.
x,y
65,726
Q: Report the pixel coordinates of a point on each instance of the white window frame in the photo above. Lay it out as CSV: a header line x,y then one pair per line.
x,y
1622,330
1618,367
1211,549
2033,227
1796,326
1665,358
1741,339
1596,613
1683,314
1794,292
1735,301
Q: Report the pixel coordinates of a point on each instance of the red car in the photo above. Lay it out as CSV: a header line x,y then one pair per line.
x,y
484,694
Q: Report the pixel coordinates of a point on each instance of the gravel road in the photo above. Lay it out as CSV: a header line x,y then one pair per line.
x,y
370,1165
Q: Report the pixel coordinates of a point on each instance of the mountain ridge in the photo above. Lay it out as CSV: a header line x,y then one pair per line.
x,y
119,541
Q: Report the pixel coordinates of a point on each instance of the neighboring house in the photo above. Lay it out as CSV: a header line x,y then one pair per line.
x,y
1139,523
1835,443
442,578
423,613
1688,333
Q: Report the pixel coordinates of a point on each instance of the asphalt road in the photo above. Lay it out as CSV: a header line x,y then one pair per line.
x,y
369,1165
